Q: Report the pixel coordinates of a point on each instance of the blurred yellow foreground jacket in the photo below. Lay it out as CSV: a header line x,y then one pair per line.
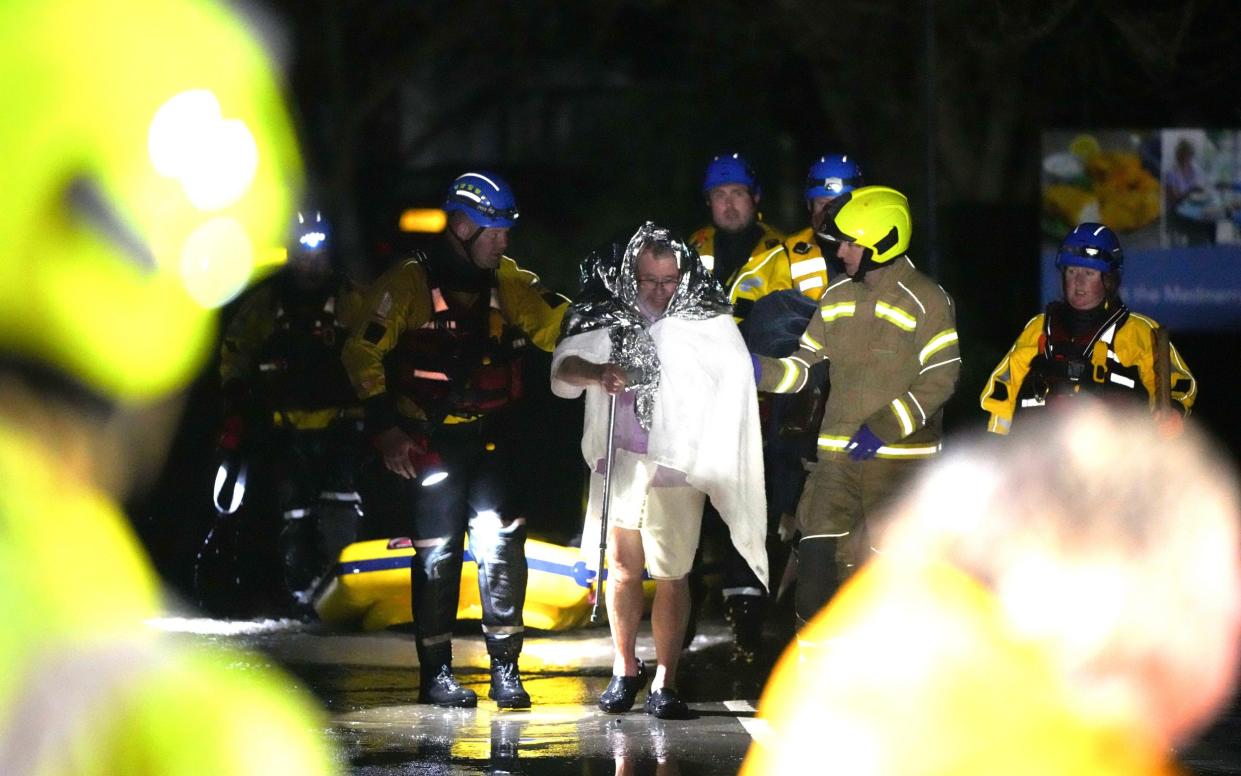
x,y
87,686
915,674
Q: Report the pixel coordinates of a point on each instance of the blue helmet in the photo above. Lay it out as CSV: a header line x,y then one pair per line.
x,y
730,168
1093,246
832,175
310,231
485,197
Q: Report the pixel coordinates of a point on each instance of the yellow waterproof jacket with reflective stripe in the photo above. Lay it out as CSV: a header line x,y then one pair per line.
x,y
88,688
893,361
255,322
765,271
401,300
1132,346
807,265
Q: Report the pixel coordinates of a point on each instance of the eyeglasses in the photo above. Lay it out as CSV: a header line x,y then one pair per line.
x,y
649,283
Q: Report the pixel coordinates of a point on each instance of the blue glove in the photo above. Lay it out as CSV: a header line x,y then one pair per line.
x,y
863,445
758,367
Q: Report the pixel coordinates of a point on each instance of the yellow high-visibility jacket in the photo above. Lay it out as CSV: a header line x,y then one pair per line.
x,y
1123,356
254,324
893,361
807,264
401,300
89,688
765,271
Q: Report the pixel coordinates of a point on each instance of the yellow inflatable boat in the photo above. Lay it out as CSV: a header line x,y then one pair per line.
x,y
370,587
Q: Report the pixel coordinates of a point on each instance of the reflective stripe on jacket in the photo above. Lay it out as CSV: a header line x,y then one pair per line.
x,y
807,265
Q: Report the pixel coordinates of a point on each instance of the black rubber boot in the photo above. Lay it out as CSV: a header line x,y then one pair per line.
x,y
745,614
506,689
440,688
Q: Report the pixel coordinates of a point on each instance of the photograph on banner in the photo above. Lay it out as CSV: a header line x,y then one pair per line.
x,y
1173,197
1202,187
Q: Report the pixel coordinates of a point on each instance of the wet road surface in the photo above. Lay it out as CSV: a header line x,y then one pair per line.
x,y
368,683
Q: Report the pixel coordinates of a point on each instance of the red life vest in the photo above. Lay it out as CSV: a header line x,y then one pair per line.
x,y
465,361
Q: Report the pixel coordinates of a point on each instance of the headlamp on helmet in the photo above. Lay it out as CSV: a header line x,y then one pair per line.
x,y
1093,246
485,197
832,175
310,231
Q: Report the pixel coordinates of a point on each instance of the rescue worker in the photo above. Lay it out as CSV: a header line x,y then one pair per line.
x,y
793,425
1088,343
280,366
749,259
1032,611
828,177
128,216
437,364
738,247
889,335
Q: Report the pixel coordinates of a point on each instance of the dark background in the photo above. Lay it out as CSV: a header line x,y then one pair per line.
x,y
603,114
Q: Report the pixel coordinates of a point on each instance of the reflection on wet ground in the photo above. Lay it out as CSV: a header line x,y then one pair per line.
x,y
368,683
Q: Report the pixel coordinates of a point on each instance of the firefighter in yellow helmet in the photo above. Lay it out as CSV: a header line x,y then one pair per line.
x,y
150,163
889,335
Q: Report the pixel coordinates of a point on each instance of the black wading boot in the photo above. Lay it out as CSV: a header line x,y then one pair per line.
x,y
440,688
506,689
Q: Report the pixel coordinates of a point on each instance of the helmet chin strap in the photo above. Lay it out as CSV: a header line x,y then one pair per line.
x,y
865,265
468,244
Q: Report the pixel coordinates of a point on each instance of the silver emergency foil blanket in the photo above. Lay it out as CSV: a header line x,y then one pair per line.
x,y
609,298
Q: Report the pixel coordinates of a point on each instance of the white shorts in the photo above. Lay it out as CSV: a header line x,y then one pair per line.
x,y
668,518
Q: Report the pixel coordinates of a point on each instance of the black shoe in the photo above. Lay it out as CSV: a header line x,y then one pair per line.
x,y
623,691
506,689
443,689
666,704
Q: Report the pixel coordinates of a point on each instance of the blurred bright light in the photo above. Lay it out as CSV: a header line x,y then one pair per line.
x,y
434,479
216,261
214,159
423,220
312,240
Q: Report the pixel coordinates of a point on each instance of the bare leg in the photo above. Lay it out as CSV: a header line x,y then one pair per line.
x,y
669,618
623,590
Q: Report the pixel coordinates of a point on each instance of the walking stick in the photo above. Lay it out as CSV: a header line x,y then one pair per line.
x,y
1163,368
603,519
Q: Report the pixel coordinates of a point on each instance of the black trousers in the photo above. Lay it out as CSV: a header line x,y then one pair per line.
x,y
477,498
